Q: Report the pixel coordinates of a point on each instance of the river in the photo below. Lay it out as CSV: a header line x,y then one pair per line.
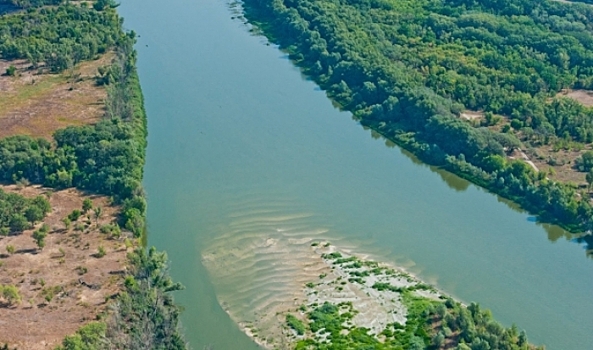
x,y
243,148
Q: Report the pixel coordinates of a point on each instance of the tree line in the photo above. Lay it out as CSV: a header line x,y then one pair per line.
x,y
58,37
409,68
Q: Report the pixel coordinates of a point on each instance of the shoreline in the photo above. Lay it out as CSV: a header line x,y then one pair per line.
x,y
379,300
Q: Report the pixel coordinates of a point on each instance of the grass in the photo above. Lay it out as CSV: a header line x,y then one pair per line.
x,y
27,92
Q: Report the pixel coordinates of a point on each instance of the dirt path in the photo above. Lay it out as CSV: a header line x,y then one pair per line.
x,y
528,161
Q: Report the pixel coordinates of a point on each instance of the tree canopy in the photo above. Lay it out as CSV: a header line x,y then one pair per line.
x,y
58,37
18,213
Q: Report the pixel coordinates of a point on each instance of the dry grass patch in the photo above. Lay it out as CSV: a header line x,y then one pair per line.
x,y
585,97
66,284
39,104
562,164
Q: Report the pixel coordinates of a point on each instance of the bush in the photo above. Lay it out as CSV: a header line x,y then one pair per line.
x,y
295,324
11,71
101,252
10,293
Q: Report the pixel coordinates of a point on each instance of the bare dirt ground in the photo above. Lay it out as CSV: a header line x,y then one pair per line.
x,y
562,171
66,284
471,115
38,104
585,97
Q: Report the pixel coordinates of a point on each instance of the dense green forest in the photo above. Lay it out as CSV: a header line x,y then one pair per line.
x,y
18,213
409,68
31,3
58,36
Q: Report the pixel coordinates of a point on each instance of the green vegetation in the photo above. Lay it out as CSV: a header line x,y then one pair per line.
x,y
89,337
58,36
10,294
408,69
48,293
106,158
39,236
147,316
32,3
18,213
295,324
87,205
101,252
430,325
11,71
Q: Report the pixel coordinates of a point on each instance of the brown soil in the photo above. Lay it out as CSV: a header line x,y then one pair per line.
x,y
564,170
471,115
38,104
81,281
585,97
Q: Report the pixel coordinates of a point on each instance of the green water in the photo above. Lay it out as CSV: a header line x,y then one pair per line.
x,y
242,148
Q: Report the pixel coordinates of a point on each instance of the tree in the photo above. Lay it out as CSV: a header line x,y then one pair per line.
x,y
438,340
87,205
98,212
10,249
34,214
101,5
589,177
585,162
11,71
39,237
19,223
67,222
89,337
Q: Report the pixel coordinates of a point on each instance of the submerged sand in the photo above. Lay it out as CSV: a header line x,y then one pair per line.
x,y
260,280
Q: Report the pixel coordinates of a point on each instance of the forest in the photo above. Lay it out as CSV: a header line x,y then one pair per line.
x,y
58,36
408,69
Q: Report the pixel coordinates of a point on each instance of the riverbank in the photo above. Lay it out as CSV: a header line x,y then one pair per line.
x,y
336,299
74,118
374,74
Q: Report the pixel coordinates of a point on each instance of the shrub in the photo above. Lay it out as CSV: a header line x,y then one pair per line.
x,y
11,71
10,293
295,324
101,252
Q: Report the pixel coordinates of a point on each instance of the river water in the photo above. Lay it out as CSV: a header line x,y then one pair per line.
x,y
243,148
